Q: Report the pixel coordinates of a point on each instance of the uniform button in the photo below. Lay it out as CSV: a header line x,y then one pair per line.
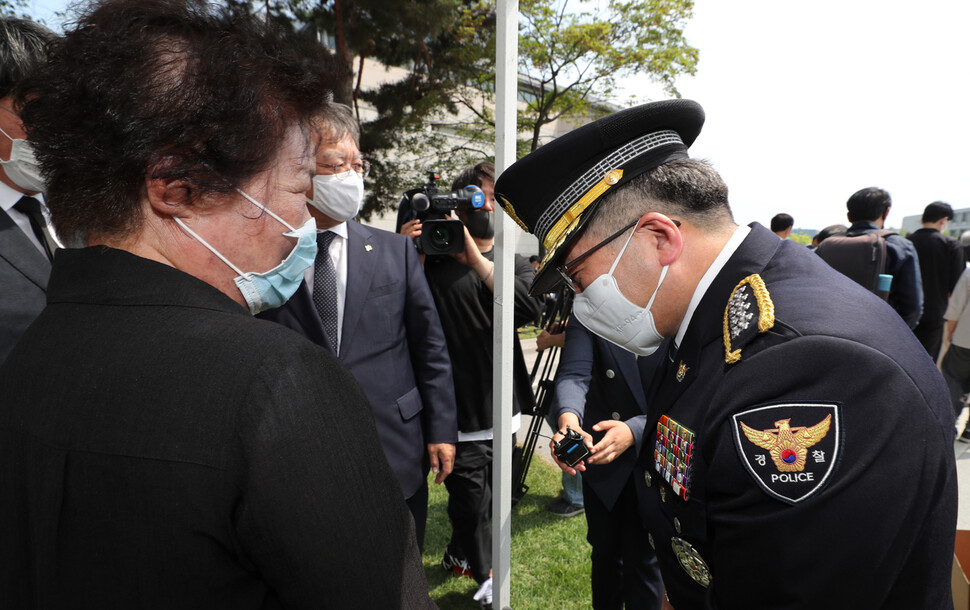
x,y
610,374
663,494
615,414
676,525
648,479
650,540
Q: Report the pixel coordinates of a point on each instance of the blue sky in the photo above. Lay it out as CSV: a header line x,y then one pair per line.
x,y
808,102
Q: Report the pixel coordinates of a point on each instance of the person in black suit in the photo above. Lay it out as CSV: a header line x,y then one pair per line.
x,y
389,333
26,239
599,393
774,471
461,285
176,452
941,262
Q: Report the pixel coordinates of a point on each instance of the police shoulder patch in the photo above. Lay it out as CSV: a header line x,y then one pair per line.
x,y
750,298
790,449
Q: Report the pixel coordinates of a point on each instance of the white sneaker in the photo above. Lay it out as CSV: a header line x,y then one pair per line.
x,y
484,594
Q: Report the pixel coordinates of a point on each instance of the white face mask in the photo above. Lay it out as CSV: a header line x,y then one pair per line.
x,y
603,309
338,195
22,168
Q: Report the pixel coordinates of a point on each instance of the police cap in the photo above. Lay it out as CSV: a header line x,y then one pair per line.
x,y
554,191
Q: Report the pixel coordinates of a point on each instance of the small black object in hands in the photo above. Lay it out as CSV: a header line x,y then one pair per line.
x,y
571,449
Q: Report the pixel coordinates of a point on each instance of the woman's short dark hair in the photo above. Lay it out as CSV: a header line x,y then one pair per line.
x,y
168,89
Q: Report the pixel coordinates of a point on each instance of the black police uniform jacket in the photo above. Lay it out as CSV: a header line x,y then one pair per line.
x,y
802,453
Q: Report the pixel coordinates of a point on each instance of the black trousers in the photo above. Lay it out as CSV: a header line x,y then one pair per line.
x,y
418,505
470,506
931,336
625,571
956,372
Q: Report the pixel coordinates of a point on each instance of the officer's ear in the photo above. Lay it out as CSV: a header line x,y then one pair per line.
x,y
670,242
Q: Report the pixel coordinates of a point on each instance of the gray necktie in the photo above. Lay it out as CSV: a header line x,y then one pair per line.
x,y
325,287
30,207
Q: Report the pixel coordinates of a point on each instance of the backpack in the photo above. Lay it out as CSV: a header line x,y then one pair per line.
x,y
862,257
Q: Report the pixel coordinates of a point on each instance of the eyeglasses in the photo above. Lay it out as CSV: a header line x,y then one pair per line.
x,y
340,170
564,270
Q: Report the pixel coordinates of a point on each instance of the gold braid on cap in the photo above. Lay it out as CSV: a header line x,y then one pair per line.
x,y
570,218
510,210
576,210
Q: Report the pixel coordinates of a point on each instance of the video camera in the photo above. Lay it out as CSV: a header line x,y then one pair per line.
x,y
572,448
440,234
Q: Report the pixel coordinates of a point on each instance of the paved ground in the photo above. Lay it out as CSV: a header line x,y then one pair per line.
x,y
961,450
963,477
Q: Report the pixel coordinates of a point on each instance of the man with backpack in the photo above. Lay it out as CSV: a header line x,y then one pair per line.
x,y
867,251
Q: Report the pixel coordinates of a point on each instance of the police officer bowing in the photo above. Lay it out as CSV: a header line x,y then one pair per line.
x,y
796,459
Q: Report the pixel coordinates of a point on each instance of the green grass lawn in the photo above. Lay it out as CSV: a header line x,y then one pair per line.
x,y
550,555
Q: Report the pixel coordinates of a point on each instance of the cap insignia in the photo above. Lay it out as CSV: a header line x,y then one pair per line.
x,y
750,298
617,158
576,210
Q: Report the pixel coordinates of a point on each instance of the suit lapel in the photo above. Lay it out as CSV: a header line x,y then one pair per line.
x,y
627,365
360,272
17,249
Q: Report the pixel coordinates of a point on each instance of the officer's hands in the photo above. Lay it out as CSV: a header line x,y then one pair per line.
x,y
572,421
618,439
442,460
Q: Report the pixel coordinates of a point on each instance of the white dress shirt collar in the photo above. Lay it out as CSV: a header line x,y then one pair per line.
x,y
9,197
708,278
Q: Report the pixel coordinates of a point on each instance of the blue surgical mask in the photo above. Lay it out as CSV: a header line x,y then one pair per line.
x,y
270,289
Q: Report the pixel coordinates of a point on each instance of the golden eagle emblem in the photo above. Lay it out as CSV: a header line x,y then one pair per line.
x,y
787,446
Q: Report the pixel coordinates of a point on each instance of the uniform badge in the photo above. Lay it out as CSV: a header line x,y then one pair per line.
x,y
368,247
790,449
749,311
673,454
682,371
691,561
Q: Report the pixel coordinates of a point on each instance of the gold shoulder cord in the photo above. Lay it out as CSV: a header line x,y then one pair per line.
x,y
766,314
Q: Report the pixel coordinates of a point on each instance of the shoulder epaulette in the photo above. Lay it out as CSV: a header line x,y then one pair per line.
x,y
749,312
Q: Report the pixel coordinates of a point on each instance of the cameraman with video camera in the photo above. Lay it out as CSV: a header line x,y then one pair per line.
x,y
461,285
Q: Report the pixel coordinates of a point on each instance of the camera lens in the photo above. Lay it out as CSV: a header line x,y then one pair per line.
x,y
441,237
